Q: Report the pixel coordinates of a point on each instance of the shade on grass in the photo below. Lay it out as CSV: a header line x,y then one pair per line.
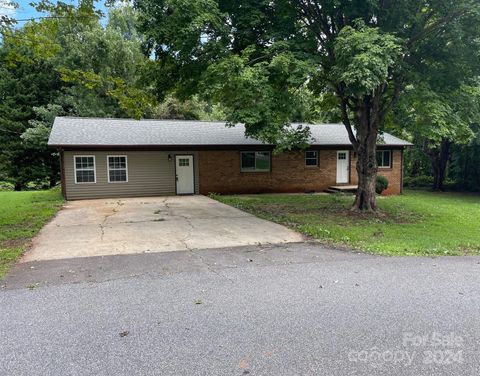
x,y
22,214
415,223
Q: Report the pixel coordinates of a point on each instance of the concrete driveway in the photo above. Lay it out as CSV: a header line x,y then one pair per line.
x,y
159,224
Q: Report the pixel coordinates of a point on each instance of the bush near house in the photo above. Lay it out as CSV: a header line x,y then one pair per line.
x,y
381,184
22,215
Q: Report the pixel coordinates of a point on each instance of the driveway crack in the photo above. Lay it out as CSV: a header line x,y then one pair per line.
x,y
187,235
105,218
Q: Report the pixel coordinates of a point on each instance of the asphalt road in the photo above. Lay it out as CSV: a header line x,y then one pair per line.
x,y
297,309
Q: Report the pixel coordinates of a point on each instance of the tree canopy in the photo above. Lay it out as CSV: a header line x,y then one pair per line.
x,y
410,67
66,63
258,58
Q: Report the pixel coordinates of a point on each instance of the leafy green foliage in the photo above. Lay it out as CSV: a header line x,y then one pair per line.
x,y
364,58
22,87
36,136
464,166
66,63
132,101
191,109
420,181
253,94
436,116
381,184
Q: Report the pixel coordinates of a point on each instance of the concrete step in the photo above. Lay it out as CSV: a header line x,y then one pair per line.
x,y
347,189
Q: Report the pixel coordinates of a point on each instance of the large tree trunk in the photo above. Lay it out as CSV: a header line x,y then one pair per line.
x,y
368,114
364,141
366,149
439,158
52,182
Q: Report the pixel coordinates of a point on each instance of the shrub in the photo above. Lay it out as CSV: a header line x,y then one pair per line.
x,y
421,181
381,184
5,186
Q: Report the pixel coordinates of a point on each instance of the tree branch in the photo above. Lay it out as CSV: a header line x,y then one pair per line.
x,y
435,26
348,124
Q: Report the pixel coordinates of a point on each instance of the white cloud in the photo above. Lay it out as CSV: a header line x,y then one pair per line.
x,y
7,8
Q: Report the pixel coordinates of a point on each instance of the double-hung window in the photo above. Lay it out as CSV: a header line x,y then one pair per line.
x,y
84,166
117,169
311,158
255,161
384,158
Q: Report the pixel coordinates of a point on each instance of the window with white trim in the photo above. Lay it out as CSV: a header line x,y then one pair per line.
x,y
84,166
311,158
384,158
255,161
117,169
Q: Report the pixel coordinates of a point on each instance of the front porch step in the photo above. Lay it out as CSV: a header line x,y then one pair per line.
x,y
342,189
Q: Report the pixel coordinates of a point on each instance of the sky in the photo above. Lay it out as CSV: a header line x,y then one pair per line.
x,y
25,11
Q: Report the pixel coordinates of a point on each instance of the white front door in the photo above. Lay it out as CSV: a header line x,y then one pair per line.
x,y
343,164
184,174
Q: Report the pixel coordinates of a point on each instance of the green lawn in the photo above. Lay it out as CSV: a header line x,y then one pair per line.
x,y
22,214
416,223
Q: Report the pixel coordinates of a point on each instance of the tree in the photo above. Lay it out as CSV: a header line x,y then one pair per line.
x,y
442,99
436,122
36,138
464,168
23,86
65,63
191,109
99,66
256,57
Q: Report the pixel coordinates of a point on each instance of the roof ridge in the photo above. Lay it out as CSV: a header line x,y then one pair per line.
x,y
143,119
179,120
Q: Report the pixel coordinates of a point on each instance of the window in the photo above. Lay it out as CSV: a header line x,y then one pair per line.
x,y
84,166
255,161
311,158
183,162
117,169
384,158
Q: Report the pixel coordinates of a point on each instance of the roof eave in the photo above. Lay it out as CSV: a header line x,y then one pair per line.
x,y
199,146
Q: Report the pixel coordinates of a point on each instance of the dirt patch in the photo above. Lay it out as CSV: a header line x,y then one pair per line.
x,y
328,211
14,243
380,216
17,226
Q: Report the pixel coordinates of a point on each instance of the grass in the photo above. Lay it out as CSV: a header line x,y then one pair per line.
x,y
417,223
22,215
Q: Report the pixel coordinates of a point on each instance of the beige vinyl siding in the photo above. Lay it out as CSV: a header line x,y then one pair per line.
x,y
150,173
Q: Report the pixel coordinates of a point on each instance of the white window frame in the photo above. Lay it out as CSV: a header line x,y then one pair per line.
x,y
85,169
255,152
108,168
316,158
391,155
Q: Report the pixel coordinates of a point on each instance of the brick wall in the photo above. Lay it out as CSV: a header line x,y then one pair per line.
x,y
393,174
219,172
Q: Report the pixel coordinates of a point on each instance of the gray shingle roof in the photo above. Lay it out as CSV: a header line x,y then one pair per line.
x,y
75,131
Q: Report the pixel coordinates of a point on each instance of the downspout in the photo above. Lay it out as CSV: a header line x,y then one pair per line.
x,y
401,170
62,174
